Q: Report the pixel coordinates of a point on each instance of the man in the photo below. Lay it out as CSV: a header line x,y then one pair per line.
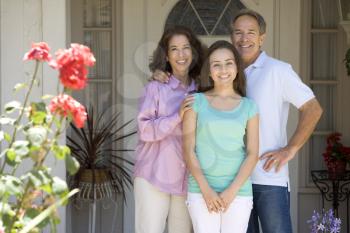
x,y
273,85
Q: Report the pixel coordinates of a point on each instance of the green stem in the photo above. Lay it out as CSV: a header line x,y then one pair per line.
x,y
17,122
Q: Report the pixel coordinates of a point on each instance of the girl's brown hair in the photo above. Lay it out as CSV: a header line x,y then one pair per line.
x,y
239,84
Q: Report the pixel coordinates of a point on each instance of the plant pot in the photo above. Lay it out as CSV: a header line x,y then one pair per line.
x,y
336,169
94,188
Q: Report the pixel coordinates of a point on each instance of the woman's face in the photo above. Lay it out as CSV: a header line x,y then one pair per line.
x,y
222,66
179,54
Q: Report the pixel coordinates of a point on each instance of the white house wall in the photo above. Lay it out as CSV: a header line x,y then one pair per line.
x,y
24,22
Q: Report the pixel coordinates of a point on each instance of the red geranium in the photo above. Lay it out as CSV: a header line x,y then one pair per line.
x,y
335,150
39,51
72,65
65,105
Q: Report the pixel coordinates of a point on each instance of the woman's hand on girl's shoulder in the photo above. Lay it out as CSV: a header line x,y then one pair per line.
x,y
160,76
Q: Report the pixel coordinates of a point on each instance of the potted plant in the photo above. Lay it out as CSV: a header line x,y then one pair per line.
x,y
101,171
336,155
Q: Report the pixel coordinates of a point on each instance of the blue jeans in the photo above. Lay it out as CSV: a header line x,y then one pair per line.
x,y
271,204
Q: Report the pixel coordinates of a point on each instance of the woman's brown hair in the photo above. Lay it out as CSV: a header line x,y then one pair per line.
x,y
160,62
239,84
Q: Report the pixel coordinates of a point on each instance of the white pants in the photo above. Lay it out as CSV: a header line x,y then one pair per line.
x,y
154,208
234,220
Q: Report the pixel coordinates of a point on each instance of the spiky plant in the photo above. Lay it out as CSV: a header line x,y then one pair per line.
x,y
89,145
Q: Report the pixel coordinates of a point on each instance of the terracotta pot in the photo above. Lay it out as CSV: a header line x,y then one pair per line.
x,y
336,169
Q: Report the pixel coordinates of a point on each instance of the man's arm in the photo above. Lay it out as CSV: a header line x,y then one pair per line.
x,y
309,114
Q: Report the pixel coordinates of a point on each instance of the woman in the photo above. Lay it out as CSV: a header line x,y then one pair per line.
x,y
160,174
220,163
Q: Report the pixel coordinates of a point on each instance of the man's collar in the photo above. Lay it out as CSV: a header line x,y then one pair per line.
x,y
260,60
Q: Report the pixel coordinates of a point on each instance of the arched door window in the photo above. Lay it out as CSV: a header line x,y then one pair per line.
x,y
204,17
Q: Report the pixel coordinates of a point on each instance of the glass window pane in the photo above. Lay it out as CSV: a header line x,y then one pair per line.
x,y
317,147
100,44
204,17
324,56
100,98
97,13
325,14
325,94
345,9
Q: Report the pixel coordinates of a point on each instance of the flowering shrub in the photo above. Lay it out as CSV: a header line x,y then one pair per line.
x,y
324,223
28,200
335,150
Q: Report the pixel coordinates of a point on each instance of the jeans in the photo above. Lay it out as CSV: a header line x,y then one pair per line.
x,y
271,204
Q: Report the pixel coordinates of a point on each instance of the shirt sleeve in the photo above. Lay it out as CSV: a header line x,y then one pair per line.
x,y
151,126
196,102
294,90
253,109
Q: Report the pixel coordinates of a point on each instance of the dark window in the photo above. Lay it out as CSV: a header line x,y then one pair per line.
x,y
204,17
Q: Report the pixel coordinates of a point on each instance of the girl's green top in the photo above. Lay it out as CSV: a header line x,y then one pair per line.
x,y
220,146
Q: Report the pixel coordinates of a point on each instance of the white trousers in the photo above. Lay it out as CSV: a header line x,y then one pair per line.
x,y
153,209
234,220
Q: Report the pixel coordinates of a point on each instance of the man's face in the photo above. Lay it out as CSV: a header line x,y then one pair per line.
x,y
246,38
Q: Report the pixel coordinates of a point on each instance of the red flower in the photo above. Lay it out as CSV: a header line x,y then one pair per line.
x,y
65,105
39,51
335,150
72,64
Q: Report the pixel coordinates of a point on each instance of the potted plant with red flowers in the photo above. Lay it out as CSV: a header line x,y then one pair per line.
x,y
336,155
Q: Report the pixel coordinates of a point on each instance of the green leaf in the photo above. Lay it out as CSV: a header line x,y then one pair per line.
x,y
13,185
47,212
38,113
40,179
6,121
72,165
60,152
21,147
6,209
11,154
38,118
37,135
7,137
19,86
38,107
11,106
59,186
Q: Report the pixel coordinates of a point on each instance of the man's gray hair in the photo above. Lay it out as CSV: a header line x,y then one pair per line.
x,y
255,15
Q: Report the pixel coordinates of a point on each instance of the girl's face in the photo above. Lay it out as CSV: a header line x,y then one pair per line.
x,y
179,54
222,66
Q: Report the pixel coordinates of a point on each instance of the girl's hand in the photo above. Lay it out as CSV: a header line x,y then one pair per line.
x,y
186,105
227,198
213,201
